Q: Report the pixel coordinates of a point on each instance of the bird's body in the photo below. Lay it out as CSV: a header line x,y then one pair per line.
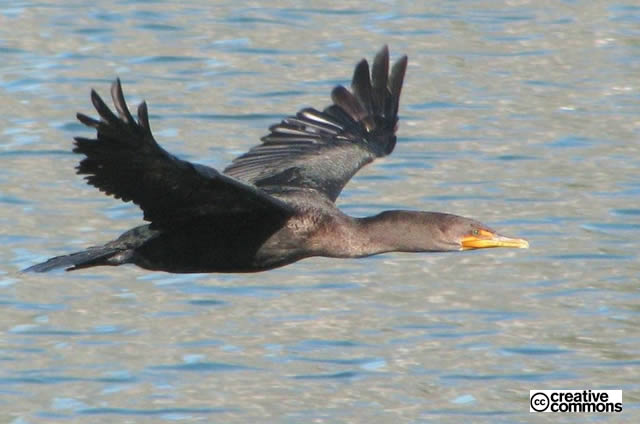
x,y
233,242
273,205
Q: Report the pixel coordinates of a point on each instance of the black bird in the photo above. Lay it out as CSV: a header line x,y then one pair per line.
x,y
272,206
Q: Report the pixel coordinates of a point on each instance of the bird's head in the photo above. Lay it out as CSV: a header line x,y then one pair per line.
x,y
460,233
412,231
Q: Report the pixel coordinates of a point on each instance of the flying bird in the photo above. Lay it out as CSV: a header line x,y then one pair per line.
x,y
273,205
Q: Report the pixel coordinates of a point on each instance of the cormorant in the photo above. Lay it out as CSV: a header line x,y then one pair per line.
x,y
273,205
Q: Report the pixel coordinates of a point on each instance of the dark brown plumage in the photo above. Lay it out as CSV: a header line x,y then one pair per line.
x,y
272,206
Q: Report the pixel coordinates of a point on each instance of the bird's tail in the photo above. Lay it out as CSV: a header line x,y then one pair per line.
x,y
93,256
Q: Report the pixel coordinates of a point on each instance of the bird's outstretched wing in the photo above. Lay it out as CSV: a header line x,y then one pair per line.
x,y
125,161
323,150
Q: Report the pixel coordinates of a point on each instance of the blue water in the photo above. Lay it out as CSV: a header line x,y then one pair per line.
x,y
523,115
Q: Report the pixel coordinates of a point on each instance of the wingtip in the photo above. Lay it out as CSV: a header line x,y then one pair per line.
x,y
143,116
86,120
396,80
119,102
361,74
116,87
100,106
382,57
400,65
398,72
95,98
375,89
362,63
384,51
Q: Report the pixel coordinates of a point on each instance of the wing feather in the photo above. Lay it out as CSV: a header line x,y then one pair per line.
x,y
322,150
380,76
125,161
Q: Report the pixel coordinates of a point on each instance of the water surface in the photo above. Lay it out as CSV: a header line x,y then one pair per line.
x,y
524,115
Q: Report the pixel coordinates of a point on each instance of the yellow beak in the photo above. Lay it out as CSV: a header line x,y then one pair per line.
x,y
486,239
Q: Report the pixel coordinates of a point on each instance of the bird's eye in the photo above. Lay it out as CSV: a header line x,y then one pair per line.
x,y
475,232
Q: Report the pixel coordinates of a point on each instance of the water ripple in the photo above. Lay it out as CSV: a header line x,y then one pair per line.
x,y
154,412
344,375
201,367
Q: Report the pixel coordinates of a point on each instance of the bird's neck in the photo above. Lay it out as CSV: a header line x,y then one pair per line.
x,y
390,231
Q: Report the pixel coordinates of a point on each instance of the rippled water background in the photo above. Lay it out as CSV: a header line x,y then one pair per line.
x,y
523,114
